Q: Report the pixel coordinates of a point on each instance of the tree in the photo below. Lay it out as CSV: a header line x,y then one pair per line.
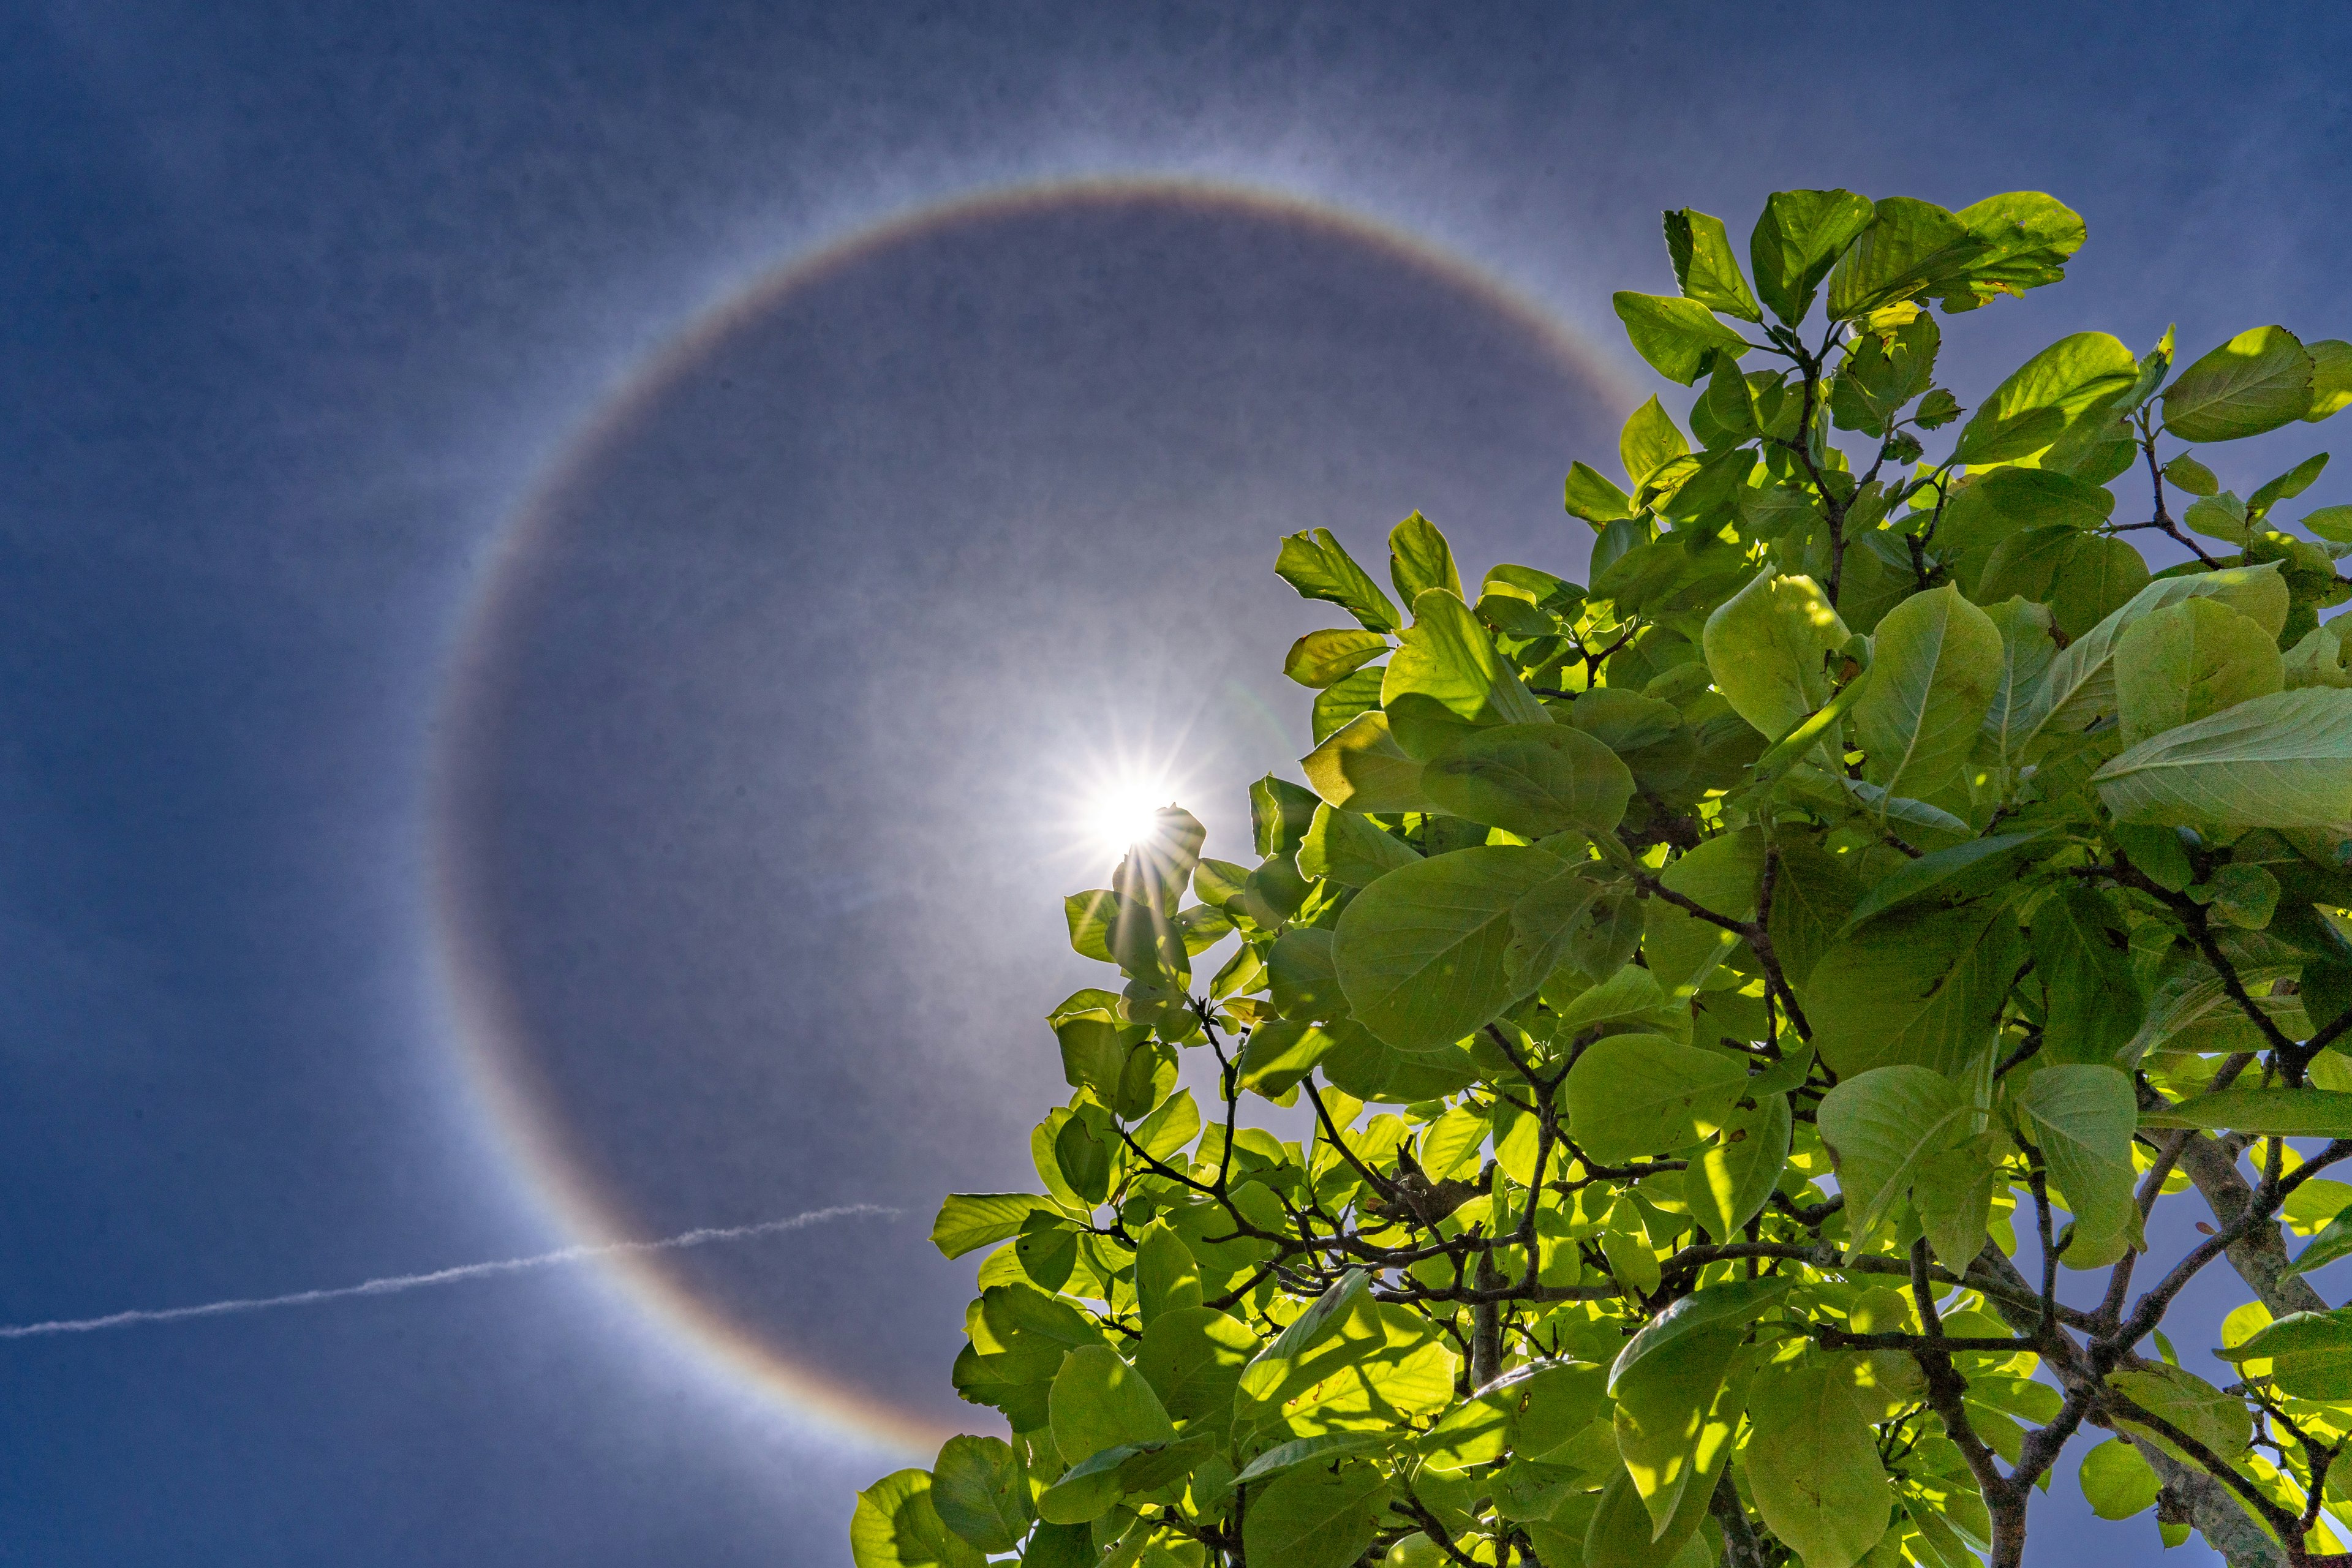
x,y
1740,1014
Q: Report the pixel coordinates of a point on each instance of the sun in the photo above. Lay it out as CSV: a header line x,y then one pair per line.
x,y
1121,811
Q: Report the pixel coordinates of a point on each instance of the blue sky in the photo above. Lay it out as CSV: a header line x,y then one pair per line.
x,y
304,305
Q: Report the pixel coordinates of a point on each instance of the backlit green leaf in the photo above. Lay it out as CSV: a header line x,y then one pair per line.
x,y
1420,559
2188,661
1727,1185
1313,1518
1882,1125
1326,658
1767,647
2046,395
2258,381
1798,239
1317,565
897,1526
1936,660
1678,337
1362,768
1704,265
1421,950
981,1490
2287,1112
1533,780
2117,1481
2280,761
1812,1464
1631,1094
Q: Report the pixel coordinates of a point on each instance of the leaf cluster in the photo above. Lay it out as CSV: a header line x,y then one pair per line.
x,y
1746,1007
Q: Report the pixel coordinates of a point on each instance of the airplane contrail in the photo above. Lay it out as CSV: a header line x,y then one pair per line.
x,y
395,1284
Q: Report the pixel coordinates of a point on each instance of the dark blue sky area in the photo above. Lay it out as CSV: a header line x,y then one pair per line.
x,y
302,304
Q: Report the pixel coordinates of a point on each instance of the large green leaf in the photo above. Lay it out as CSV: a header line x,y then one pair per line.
x,y
1447,675
1923,989
1946,877
1812,1465
1723,875
1420,559
1313,1518
1549,920
1953,1190
1727,1185
1631,1094
1325,657
1735,1304
968,1221
1936,660
981,1490
2081,685
1100,1402
1882,1126
2082,1118
2258,381
2082,953
1316,565
2286,1112
1344,847
1533,780
2188,661
2027,647
897,1526
1421,952
1676,1411
1594,498
1678,337
2117,1481
2310,1353
1912,245
2280,761
1648,443
1704,265
1798,239
1362,768
1193,1357
2083,577
2046,395
1767,651
2218,1420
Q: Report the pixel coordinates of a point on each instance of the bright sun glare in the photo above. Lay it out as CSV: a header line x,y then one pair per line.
x,y
1118,812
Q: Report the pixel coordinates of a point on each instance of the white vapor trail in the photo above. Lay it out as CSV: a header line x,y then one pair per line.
x,y
398,1283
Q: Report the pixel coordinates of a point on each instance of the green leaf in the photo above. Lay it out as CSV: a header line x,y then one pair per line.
x,y
2188,474
1594,499
970,1221
2331,378
2082,1116
1624,1535
1193,1357
1881,1126
1812,1465
1313,1518
1279,814
2218,1420
2117,1481
1679,338
1722,875
2284,1112
1325,658
2221,517
2081,687
897,1526
1704,265
1632,1095
1316,565
1677,1412
1421,950
1304,980
1648,443
2333,523
2333,1241
2310,1353
1767,648
1728,1184
2188,661
2258,381
2287,486
1547,924
1346,847
2083,577
1167,1277
981,1490
2048,394
1734,1304
1910,246
2082,951
1447,676
1936,659
1100,1402
1946,878
1953,1192
2027,234
1533,780
1311,1450
1420,559
2280,761
1362,768
1798,239
1083,1154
